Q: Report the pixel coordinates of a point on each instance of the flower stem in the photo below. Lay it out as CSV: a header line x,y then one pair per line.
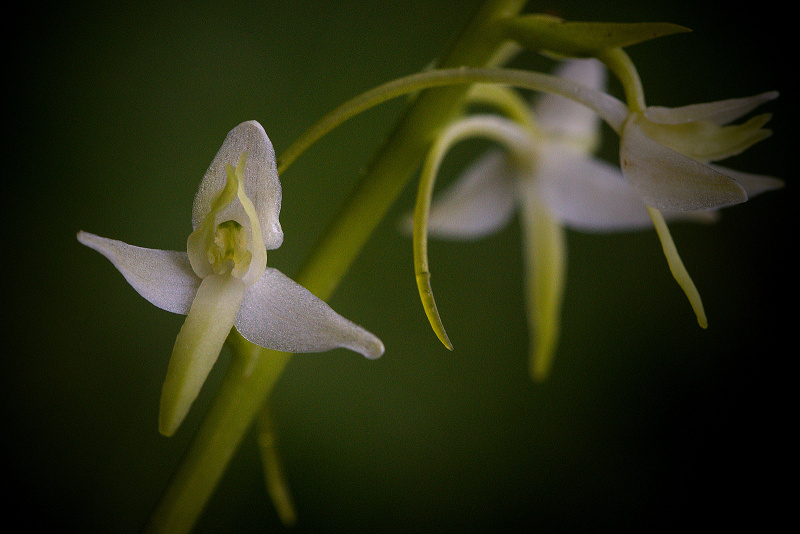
x,y
619,62
240,396
607,107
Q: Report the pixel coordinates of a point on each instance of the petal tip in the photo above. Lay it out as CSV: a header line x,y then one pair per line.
x,y
85,238
373,349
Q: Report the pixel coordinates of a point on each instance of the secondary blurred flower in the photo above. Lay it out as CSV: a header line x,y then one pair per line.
x,y
666,156
553,178
223,280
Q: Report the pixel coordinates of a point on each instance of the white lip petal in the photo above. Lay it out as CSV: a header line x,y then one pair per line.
x,y
164,277
260,182
197,347
279,314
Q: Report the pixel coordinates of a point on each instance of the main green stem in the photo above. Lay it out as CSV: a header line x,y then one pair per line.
x,y
393,167
246,385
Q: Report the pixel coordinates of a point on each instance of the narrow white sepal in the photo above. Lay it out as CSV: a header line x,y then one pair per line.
x,y
720,112
197,347
278,313
164,277
557,115
588,194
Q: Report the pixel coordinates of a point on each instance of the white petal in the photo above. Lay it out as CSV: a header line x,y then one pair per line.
x,y
591,195
670,181
163,277
197,347
479,203
260,182
754,184
279,314
720,112
562,116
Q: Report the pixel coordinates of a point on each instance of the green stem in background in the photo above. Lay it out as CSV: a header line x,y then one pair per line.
x,y
241,394
277,486
620,64
250,376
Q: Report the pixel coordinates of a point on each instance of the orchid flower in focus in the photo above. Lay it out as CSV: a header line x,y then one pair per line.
x,y
546,170
222,280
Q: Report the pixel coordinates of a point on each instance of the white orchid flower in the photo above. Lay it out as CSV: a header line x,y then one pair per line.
x,y
222,280
665,154
548,172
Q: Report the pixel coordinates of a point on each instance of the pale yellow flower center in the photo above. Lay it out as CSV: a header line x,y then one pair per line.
x,y
228,253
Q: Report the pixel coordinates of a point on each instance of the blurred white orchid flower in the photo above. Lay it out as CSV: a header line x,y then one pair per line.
x,y
666,155
223,280
546,169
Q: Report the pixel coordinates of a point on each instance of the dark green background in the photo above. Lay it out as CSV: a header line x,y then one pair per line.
x,y
114,112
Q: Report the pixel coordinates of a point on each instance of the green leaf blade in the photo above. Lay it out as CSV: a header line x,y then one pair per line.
x,y
582,39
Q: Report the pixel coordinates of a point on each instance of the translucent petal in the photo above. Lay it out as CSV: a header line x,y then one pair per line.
x,y
754,184
197,347
163,277
590,195
557,115
479,203
706,141
260,182
279,314
670,181
720,112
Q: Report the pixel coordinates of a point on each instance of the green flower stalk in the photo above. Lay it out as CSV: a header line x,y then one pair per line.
x,y
223,281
